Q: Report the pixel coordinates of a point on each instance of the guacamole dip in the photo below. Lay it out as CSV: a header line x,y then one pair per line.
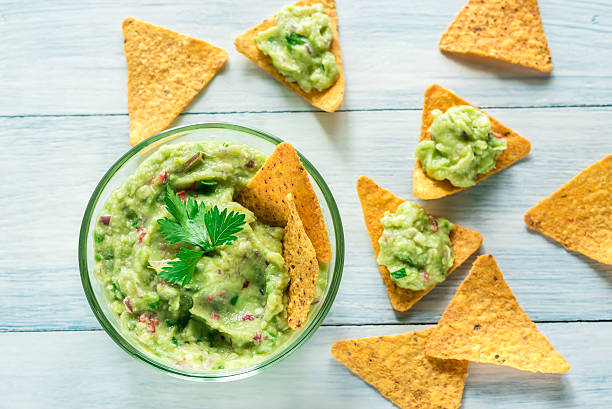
x,y
299,47
462,146
232,312
415,247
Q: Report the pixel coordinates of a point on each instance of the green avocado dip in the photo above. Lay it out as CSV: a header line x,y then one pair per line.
x,y
415,247
462,146
299,46
231,312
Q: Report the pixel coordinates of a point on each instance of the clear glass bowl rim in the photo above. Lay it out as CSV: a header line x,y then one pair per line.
x,y
335,270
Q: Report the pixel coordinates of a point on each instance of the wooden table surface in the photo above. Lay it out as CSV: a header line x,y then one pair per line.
x,y
63,123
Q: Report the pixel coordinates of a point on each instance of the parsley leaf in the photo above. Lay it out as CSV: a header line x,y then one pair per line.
x,y
198,226
401,273
406,259
188,224
222,226
295,39
175,206
181,271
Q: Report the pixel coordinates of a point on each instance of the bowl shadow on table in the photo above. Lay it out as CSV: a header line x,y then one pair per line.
x,y
604,270
489,381
501,69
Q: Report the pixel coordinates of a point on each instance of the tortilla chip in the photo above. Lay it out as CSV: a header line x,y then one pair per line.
x,y
579,214
265,194
397,366
375,201
508,30
166,70
440,98
301,259
484,323
329,99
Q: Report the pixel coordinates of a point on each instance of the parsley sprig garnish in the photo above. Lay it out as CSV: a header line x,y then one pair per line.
x,y
201,227
295,39
401,273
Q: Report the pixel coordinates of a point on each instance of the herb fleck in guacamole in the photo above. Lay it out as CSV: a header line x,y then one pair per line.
x,y
462,146
415,247
232,310
299,46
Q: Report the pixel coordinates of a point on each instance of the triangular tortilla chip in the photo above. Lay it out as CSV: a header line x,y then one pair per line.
x,y
484,323
507,30
329,99
265,194
375,201
166,70
579,214
301,259
440,98
397,366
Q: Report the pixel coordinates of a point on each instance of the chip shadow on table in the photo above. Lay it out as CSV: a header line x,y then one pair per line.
x,y
500,68
333,124
439,297
604,270
492,381
471,207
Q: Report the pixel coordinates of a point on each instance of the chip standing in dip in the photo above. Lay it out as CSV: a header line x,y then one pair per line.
x,y
194,277
415,247
299,47
462,146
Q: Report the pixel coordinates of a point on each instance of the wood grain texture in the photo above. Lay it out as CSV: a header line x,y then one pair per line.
x,y
86,369
63,122
66,57
60,160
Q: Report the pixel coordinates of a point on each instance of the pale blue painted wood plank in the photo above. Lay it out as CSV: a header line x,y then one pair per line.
x,y
66,57
59,161
76,369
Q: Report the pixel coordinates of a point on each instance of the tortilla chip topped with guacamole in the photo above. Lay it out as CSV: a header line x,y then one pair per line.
x,y
507,30
375,202
166,70
439,98
265,194
579,214
328,99
396,365
415,247
484,323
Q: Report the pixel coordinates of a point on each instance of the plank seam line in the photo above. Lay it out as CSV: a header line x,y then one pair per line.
x,y
385,324
435,322
297,111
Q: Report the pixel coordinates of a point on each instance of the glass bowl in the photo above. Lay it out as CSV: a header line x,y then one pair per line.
x,y
125,166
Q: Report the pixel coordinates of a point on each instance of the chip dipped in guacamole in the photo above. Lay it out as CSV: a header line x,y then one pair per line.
x,y
415,247
299,47
462,146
